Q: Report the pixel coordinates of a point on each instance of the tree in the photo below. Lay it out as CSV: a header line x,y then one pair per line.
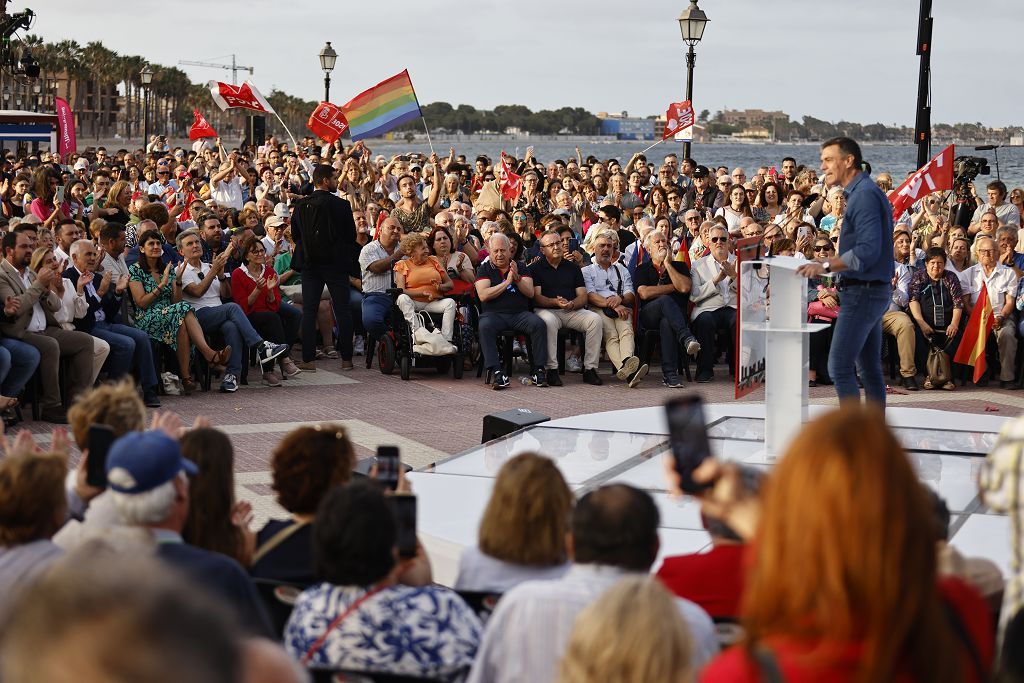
x,y
704,116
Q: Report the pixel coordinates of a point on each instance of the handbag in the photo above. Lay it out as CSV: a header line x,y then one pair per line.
x,y
817,310
428,340
938,367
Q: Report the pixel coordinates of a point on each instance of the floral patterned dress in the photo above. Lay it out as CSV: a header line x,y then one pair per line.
x,y
162,319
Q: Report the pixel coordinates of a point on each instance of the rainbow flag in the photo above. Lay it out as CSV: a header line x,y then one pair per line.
x,y
386,105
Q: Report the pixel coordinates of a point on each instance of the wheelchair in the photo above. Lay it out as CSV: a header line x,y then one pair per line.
x,y
394,348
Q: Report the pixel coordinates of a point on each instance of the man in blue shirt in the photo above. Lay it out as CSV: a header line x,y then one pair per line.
x,y
865,261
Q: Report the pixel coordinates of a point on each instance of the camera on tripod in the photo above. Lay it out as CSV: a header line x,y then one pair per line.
x,y
965,170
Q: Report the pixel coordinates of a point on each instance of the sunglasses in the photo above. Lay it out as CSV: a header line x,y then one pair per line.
x,y
834,240
279,174
822,247
716,240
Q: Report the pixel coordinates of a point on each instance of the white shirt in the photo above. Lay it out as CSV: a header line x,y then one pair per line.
x,y
228,193
611,281
61,255
1000,284
900,293
192,276
526,636
481,572
705,294
38,321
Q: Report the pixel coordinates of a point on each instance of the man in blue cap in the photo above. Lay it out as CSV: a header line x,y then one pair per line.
x,y
146,474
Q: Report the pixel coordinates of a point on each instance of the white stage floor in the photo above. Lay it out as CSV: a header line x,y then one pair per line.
x,y
627,446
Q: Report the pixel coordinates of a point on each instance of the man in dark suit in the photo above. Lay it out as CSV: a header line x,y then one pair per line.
x,y
146,474
128,345
326,253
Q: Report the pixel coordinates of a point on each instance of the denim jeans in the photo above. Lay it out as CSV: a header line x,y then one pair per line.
x,y
127,345
857,343
18,361
376,306
236,329
314,278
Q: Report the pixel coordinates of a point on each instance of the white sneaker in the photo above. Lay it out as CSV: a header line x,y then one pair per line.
x,y
359,346
573,364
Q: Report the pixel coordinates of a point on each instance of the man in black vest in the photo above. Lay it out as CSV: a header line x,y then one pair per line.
x,y
325,252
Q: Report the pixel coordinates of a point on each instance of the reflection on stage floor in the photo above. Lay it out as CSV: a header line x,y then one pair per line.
x,y
628,446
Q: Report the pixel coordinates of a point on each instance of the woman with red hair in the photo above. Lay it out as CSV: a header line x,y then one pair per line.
x,y
842,582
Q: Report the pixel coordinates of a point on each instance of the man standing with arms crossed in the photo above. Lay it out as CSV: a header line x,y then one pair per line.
x,y
325,252
865,261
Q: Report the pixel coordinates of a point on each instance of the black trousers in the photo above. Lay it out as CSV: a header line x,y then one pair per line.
x,y
335,278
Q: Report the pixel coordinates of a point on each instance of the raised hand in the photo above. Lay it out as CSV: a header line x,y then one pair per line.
x,y
122,284
11,306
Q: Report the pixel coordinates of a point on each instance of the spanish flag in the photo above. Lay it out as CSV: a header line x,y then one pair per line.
x,y
979,325
683,254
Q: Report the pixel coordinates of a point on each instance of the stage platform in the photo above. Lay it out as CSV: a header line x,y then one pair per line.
x,y
627,446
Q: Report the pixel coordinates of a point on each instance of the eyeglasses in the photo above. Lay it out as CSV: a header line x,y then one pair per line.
x,y
834,240
716,240
693,218
278,174
519,219
771,236
822,247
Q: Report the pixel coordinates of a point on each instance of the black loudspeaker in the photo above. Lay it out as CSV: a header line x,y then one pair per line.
x,y
257,133
508,421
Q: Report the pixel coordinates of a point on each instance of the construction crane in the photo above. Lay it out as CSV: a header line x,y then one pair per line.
x,y
235,68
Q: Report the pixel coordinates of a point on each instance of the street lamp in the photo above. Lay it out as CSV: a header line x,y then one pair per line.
x,y
7,96
146,75
36,90
328,57
691,24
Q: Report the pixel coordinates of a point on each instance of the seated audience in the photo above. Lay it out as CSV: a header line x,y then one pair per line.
x,y
392,620
160,311
305,465
614,536
809,570
522,532
146,474
424,283
651,642
505,289
1000,284
936,304
714,298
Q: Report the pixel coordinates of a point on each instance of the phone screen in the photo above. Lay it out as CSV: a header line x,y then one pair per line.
x,y
574,244
99,441
388,464
59,195
688,438
404,507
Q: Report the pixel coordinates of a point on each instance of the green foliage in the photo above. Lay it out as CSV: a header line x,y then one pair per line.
x,y
442,116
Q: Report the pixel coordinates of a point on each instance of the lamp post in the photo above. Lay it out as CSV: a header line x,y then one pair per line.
x,y
691,24
36,90
328,58
7,97
146,76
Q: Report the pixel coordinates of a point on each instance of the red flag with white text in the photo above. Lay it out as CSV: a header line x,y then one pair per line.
x,y
244,96
678,117
936,175
66,140
511,184
327,122
201,128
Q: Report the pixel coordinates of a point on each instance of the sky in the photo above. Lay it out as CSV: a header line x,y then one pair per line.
x,y
836,60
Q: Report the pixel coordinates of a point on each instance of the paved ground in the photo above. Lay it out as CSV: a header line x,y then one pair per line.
x,y
432,416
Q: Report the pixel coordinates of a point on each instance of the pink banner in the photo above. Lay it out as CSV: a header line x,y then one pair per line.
x,y
66,142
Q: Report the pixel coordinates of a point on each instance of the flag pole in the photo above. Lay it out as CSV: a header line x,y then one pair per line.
x,y
418,106
295,145
645,150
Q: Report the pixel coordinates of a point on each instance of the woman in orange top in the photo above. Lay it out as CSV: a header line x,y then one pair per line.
x,y
424,282
842,581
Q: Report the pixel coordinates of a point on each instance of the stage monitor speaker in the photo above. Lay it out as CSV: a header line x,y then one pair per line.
x,y
257,131
508,421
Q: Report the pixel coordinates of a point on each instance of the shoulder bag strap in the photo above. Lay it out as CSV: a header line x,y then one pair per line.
x,y
276,540
319,642
768,666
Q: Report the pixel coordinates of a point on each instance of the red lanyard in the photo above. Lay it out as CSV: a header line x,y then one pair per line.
x,y
319,643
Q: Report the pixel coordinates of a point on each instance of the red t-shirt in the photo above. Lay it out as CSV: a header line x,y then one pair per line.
x,y
713,580
839,662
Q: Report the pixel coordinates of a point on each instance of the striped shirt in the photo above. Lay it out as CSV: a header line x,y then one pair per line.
x,y
375,282
20,566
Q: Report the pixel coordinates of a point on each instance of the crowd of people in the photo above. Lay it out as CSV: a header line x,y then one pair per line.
x,y
156,265
158,573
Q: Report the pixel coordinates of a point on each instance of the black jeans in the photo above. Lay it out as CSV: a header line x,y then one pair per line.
x,y
664,316
706,327
492,323
314,278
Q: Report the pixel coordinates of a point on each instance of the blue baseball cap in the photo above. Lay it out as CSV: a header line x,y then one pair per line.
x,y
141,461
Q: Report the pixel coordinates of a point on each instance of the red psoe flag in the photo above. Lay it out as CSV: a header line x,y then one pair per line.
x,y
244,96
979,325
934,176
678,116
511,184
327,122
201,128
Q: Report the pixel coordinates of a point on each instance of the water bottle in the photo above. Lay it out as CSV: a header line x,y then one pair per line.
x,y
526,381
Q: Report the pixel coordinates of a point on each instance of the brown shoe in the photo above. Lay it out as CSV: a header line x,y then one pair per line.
x,y
288,369
189,385
346,365
307,366
271,379
221,357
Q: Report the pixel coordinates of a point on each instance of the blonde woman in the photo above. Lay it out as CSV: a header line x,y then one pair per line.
x,y
424,283
633,633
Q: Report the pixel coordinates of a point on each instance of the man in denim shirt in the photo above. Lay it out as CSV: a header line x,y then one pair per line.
x,y
867,267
